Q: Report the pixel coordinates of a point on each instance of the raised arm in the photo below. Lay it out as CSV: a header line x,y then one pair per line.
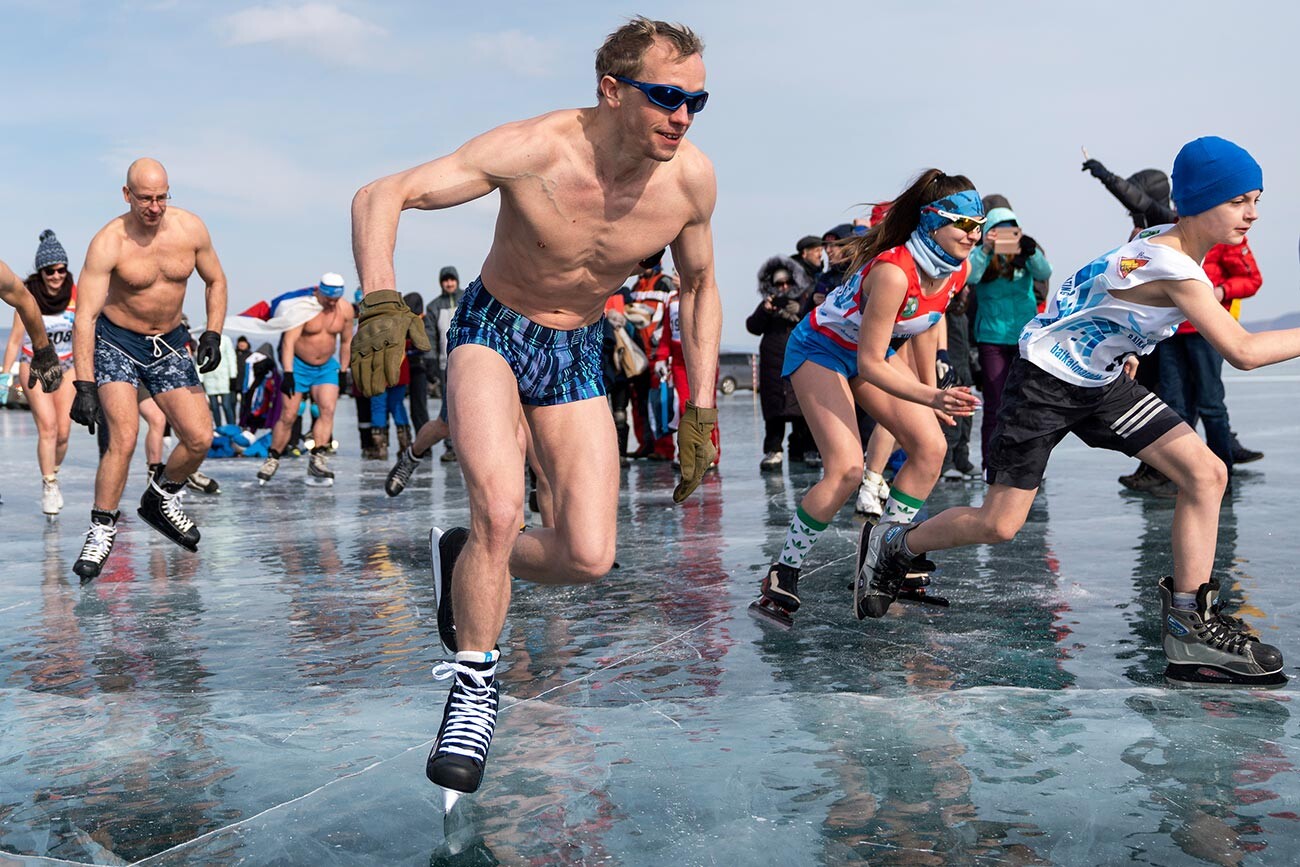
x,y
16,295
1242,349
700,313
92,293
214,279
459,177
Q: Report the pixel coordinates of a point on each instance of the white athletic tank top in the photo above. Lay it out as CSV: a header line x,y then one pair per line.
x,y
59,327
1086,330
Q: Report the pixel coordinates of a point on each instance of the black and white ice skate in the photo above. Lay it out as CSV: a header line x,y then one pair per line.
x,y
160,508
97,547
445,547
882,568
780,597
1207,648
468,722
400,475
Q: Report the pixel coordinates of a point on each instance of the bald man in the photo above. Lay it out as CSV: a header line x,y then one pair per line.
x,y
131,344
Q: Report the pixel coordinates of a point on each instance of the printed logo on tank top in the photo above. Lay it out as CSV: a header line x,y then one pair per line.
x,y
1128,266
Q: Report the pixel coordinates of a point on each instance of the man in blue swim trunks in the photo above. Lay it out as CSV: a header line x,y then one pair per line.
x,y
585,194
311,367
129,343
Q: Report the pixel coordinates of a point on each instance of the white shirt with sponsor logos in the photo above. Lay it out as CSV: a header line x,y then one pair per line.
x,y
1087,329
58,327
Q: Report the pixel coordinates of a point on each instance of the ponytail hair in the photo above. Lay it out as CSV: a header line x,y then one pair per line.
x,y
903,216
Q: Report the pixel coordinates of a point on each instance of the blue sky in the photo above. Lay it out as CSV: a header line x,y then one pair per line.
x,y
270,115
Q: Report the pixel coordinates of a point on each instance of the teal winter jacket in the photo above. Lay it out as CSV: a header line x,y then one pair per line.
x,y
1004,306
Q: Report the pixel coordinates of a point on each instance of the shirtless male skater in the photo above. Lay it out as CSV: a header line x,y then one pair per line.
x,y
128,337
310,367
586,194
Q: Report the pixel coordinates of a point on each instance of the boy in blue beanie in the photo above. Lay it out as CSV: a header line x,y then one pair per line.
x,y
1075,375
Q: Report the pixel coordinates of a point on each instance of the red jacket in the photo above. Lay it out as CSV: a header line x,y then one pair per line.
x,y
1233,268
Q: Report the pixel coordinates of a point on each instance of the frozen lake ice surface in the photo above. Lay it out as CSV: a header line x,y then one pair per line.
x,y
268,700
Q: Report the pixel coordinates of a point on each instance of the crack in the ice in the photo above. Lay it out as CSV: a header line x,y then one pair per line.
x,y
623,687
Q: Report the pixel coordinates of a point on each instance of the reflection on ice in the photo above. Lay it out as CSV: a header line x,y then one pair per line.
x,y
269,699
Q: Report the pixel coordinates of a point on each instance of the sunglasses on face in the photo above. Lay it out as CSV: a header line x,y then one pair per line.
x,y
667,96
51,270
961,221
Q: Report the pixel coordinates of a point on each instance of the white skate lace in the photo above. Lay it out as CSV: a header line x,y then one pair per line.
x,y
171,509
99,541
473,716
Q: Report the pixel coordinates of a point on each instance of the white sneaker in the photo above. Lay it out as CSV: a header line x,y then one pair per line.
x,y
51,497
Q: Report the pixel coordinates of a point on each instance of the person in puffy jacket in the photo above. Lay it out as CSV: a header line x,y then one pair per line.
x,y
785,288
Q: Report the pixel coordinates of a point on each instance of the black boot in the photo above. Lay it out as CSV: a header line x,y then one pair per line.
x,y
98,544
160,508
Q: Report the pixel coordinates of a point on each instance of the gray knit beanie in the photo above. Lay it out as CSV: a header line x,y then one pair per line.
x,y
50,252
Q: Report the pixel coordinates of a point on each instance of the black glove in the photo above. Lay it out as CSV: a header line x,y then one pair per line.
x,y
85,406
943,369
209,351
1098,171
1028,246
345,381
286,384
45,367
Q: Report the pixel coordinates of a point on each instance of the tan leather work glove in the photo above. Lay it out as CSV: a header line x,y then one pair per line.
x,y
695,449
384,324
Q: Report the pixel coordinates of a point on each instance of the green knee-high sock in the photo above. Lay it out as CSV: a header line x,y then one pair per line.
x,y
900,507
799,538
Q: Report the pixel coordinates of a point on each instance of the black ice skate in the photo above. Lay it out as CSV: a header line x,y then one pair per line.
x,y
916,583
883,565
160,507
98,544
445,547
1206,648
468,722
400,475
780,597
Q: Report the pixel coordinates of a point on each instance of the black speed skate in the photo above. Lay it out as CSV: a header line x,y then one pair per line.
x,y
883,566
1206,648
160,507
445,546
780,597
468,722
916,581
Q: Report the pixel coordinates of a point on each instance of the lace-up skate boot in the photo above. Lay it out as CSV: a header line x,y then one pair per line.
x,y
468,722
160,508
204,484
446,548
268,468
770,463
51,496
319,475
883,568
1207,648
400,475
98,544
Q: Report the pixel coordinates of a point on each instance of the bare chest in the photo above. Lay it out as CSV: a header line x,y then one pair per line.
x,y
327,322
161,263
604,229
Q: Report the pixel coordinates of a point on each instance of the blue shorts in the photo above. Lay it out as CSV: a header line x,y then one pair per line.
x,y
159,362
807,345
551,366
306,375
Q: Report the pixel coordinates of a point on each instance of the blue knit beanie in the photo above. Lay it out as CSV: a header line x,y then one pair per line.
x,y
1210,171
50,252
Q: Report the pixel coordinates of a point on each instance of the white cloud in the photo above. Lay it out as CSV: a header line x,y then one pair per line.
x,y
518,52
320,29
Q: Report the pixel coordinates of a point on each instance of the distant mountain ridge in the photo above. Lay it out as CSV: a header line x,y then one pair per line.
x,y
1286,320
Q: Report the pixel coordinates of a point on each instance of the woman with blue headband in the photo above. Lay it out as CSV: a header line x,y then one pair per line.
x,y
1075,375
873,342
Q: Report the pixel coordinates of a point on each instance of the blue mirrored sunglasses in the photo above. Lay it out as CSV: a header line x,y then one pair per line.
x,y
669,97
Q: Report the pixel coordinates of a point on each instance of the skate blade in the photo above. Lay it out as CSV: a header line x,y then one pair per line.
x,y
1186,676
449,799
261,483
320,483
923,598
767,612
